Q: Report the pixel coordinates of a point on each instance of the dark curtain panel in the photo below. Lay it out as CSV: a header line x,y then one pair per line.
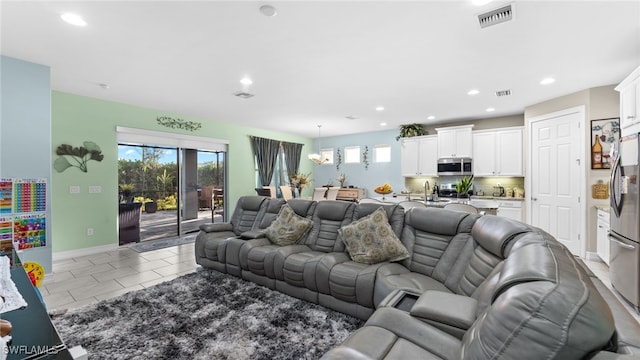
x,y
292,153
266,152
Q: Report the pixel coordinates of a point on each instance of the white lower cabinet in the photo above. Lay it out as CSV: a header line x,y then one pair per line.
x,y
511,209
602,236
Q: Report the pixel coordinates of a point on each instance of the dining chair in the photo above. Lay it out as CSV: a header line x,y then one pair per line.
x,y
263,192
287,194
318,194
462,207
332,193
272,191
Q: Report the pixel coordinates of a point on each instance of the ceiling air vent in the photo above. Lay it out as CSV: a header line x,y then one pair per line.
x,y
242,94
503,93
496,16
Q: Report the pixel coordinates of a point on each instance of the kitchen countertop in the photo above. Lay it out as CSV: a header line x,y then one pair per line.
x,y
497,198
604,208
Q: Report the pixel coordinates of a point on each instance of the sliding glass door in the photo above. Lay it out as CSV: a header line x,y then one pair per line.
x,y
179,189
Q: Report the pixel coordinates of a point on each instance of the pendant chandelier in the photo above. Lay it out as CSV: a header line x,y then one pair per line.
x,y
317,157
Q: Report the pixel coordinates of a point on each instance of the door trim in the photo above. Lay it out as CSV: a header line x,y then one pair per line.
x,y
581,111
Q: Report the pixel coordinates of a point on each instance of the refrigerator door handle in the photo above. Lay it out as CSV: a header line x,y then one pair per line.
x,y
617,207
621,244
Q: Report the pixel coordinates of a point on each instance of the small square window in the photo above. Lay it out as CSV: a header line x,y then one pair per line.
x,y
327,154
381,153
352,155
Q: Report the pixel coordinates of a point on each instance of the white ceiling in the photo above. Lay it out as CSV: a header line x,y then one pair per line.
x,y
319,61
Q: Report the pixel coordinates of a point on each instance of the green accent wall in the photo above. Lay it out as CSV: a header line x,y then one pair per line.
x,y
76,119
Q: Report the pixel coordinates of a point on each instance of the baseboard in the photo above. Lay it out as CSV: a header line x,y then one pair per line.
x,y
62,255
592,256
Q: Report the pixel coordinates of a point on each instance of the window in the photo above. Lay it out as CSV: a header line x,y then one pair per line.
x,y
328,155
352,155
381,153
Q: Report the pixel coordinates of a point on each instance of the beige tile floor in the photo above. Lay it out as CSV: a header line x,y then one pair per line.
x,y
87,280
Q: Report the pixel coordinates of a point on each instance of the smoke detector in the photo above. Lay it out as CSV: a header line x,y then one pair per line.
x,y
496,16
242,94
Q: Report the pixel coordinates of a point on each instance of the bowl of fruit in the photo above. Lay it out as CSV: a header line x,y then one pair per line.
x,y
383,189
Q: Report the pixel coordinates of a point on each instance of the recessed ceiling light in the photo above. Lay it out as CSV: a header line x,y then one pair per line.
x,y
430,117
268,10
473,92
73,19
379,108
547,81
490,109
246,81
480,2
383,124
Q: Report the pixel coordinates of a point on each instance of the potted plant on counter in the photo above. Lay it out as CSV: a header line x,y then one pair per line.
x,y
463,186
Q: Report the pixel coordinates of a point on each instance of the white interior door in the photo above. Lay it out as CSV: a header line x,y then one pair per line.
x,y
555,181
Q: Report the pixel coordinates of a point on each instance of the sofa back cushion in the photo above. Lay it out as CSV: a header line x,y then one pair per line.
x,y
395,214
246,212
268,213
439,242
327,218
543,306
491,237
304,208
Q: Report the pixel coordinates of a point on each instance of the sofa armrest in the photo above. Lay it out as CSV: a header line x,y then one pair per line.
x,y
216,227
451,313
252,234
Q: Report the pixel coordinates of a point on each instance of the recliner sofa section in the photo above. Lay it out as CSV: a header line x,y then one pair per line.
x,y
486,286
538,304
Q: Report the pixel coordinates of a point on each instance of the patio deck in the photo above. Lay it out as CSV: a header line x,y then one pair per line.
x,y
164,223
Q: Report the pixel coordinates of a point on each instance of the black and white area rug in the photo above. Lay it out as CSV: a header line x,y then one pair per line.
x,y
205,315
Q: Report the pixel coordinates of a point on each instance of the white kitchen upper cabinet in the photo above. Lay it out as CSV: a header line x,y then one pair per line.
x,y
455,141
629,90
419,156
498,152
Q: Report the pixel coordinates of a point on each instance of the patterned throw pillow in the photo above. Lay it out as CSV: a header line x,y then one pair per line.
x,y
288,227
371,240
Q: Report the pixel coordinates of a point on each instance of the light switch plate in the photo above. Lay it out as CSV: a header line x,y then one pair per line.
x,y
95,189
74,189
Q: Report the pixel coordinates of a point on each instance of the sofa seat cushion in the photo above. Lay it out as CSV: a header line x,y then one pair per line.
x,y
214,244
392,276
353,282
300,269
260,260
371,239
288,228
394,334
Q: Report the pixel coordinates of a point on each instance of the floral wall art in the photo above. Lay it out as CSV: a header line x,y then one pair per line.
x,y
78,157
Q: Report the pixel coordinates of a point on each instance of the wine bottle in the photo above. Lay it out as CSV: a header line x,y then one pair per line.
x,y
596,154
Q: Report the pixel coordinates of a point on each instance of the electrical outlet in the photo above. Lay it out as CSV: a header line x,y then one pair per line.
x,y
89,231
74,189
95,189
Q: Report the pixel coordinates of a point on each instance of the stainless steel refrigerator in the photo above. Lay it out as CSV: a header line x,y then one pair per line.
x,y
624,235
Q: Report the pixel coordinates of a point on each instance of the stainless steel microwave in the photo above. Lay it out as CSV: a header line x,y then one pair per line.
x,y
455,166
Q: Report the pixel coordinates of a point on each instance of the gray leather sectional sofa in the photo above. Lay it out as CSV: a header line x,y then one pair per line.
x,y
473,287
